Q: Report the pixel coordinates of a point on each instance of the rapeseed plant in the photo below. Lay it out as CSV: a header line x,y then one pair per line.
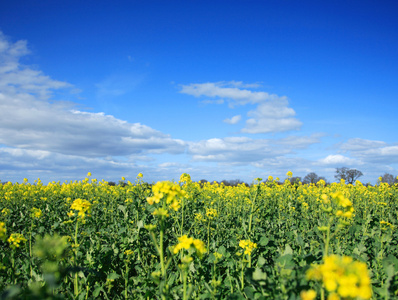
x,y
342,277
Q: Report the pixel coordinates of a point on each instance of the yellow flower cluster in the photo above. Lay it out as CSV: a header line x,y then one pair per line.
x,y
36,213
384,223
169,190
185,178
186,242
345,203
3,231
15,240
248,246
343,277
82,206
129,252
211,213
308,295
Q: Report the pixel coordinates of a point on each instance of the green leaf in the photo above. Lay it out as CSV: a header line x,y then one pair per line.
x,y
258,274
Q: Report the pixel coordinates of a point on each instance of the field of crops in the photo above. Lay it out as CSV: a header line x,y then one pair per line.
x,y
185,240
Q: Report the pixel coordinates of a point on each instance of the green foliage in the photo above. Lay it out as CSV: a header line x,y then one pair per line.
x,y
120,249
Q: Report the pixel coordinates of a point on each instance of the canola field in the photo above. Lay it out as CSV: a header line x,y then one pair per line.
x,y
186,240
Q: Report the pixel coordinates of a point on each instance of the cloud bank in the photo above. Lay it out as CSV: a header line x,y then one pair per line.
x,y
271,114
29,120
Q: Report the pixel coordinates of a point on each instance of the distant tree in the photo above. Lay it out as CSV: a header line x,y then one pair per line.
x,y
234,182
295,179
389,178
312,178
349,175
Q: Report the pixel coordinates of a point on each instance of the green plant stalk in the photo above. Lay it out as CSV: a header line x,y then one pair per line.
x,y
230,281
184,276
30,248
182,216
126,281
76,283
242,282
161,254
252,208
327,241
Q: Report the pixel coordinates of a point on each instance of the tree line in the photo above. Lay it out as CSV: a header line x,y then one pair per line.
x,y
347,174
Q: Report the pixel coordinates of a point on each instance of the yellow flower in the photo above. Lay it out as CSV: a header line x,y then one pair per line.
x,y
342,277
333,296
175,205
36,212
82,206
161,212
217,256
185,178
89,174
150,227
15,240
129,252
308,295
166,189
140,175
211,213
248,246
186,242
199,246
289,174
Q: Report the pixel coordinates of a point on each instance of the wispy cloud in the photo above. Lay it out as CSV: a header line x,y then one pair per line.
x,y
272,112
369,151
116,85
29,120
243,150
233,120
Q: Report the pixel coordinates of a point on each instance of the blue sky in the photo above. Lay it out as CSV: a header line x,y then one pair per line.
x,y
216,89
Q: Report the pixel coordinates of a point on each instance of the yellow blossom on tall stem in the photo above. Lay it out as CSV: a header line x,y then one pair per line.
x,y
15,240
36,213
82,206
342,276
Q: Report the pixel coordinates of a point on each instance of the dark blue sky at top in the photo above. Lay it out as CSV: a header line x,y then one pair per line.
x,y
336,61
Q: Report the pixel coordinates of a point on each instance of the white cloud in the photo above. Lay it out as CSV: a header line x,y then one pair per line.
x,y
357,144
337,159
229,90
28,120
272,113
243,150
117,85
272,116
233,120
371,151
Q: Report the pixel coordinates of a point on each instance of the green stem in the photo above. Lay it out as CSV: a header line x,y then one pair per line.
x,y
76,283
242,283
182,216
208,235
251,209
126,281
327,241
161,254
184,276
